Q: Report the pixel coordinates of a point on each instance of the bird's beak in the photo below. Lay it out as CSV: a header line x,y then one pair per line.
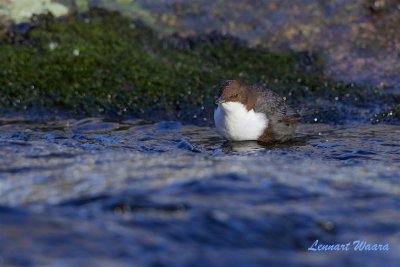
x,y
219,101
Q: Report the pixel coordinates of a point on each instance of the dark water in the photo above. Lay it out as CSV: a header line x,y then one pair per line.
x,y
96,193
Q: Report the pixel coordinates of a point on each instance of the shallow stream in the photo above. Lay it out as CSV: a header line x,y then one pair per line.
x,y
100,193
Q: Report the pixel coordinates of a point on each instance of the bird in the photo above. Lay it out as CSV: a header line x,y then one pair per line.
x,y
253,113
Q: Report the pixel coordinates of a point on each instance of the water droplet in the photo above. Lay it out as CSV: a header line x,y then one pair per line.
x,y
76,52
52,45
315,119
336,98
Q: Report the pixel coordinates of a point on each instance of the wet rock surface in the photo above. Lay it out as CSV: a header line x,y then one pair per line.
x,y
357,37
101,63
134,192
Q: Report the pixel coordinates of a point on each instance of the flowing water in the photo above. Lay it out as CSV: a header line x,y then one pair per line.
x,y
133,193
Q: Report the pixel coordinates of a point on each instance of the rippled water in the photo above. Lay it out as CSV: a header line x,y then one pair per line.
x,y
98,193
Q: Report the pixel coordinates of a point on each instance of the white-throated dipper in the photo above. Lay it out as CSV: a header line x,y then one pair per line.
x,y
251,112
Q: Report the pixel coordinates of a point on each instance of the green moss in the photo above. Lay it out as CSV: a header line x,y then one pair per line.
x,y
102,63
82,5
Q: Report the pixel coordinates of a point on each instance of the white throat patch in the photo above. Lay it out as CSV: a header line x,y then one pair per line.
x,y
234,122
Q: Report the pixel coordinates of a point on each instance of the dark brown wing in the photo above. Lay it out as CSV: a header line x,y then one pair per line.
x,y
273,105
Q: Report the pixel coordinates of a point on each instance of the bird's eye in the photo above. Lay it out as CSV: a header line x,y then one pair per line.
x,y
236,95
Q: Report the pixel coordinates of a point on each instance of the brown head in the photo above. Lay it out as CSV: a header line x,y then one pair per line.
x,y
234,91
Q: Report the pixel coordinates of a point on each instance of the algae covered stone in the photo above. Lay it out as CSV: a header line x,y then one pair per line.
x,y
102,63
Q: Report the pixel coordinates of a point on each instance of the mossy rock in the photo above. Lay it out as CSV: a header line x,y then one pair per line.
x,y
101,63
